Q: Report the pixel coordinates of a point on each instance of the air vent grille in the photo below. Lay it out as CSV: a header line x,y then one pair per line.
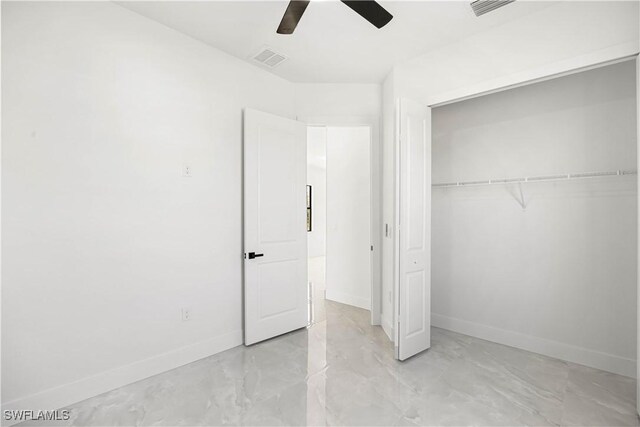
x,y
480,7
269,57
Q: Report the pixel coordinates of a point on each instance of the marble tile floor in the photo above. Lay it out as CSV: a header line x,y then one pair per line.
x,y
341,371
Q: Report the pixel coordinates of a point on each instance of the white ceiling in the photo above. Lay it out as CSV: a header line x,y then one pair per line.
x,y
332,43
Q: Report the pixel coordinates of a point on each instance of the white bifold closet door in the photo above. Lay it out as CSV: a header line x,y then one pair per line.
x,y
413,291
275,233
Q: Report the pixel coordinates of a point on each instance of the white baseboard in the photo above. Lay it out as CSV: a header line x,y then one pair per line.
x,y
583,356
387,327
348,299
68,394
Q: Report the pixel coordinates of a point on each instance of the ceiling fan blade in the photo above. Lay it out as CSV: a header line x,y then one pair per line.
x,y
371,11
292,16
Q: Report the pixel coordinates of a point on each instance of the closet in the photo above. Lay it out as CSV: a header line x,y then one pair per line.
x,y
534,217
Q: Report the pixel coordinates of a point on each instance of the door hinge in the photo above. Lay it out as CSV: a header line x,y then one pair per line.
x,y
371,248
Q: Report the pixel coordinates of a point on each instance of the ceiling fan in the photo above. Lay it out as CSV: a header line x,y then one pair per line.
x,y
368,9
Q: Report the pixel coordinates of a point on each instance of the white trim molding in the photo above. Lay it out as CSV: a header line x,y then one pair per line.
x,y
348,299
570,353
387,327
68,394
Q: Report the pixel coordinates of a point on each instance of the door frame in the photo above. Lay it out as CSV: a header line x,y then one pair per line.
x,y
376,232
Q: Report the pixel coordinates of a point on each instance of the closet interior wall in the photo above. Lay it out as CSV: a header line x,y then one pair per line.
x,y
545,266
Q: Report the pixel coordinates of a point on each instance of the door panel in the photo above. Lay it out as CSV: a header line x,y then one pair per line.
x,y
414,285
414,301
275,174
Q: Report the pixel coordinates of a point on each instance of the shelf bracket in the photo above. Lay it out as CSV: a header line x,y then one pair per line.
x,y
518,195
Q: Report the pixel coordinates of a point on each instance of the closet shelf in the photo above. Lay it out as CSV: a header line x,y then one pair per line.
x,y
544,178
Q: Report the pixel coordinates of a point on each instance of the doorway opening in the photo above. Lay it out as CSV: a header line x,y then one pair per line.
x,y
339,207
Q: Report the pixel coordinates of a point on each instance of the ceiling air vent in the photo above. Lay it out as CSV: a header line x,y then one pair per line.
x,y
269,58
480,7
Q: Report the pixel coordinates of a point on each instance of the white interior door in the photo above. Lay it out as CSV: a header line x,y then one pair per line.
x,y
413,291
275,234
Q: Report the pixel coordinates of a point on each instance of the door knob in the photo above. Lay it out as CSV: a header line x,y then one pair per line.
x,y
253,255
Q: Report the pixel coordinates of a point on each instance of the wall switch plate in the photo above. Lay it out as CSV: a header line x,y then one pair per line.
x,y
186,314
186,171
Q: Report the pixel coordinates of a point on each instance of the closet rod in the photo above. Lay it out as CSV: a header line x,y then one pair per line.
x,y
544,178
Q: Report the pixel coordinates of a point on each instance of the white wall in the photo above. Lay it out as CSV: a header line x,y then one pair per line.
x,y
348,260
559,277
567,35
103,109
322,100
103,240
317,178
